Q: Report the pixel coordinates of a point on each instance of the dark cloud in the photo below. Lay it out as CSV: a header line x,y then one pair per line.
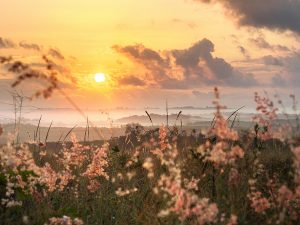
x,y
292,68
30,46
260,42
56,54
131,80
174,84
285,68
140,53
148,58
279,15
278,81
6,43
199,61
186,68
244,52
272,61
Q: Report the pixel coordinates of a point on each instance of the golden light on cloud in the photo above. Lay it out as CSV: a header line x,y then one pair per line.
x,y
100,77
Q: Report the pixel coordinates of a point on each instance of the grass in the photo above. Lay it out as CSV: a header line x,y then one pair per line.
x,y
142,207
152,176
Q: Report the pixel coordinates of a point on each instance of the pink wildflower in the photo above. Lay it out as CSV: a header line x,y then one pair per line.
x,y
258,203
65,220
97,167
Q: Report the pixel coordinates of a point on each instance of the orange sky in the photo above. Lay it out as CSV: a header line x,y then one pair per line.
x,y
102,35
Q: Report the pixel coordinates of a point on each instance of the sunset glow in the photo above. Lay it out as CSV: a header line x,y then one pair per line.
x,y
172,49
100,77
149,112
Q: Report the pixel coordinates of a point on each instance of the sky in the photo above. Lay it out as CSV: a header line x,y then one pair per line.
x,y
155,50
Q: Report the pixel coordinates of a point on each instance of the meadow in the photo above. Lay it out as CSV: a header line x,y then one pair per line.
x,y
158,112
163,175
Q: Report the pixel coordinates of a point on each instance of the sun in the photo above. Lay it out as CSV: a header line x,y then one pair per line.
x,y
100,77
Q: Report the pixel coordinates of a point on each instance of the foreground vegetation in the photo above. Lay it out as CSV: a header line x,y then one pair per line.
x,y
161,176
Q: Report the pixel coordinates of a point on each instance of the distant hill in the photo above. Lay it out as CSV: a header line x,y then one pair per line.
x,y
159,119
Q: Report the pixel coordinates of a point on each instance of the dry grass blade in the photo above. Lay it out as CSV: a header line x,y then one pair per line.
x,y
212,124
167,111
69,133
37,129
232,124
85,132
80,112
149,117
127,139
57,143
88,129
177,117
48,131
181,124
235,112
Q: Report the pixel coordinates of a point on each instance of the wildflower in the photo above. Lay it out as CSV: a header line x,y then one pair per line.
x,y
296,152
219,154
233,220
25,219
192,184
267,113
130,175
122,193
93,186
97,167
13,203
235,153
65,220
186,204
99,162
75,155
258,203
49,177
162,137
284,195
148,165
221,129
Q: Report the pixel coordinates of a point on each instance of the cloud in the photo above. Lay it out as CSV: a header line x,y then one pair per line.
x,y
272,61
151,60
56,54
131,80
287,69
186,68
260,42
292,68
244,52
6,43
140,53
199,61
283,71
281,15
279,81
30,46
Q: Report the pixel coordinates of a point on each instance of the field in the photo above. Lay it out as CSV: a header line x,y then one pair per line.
x,y
158,112
166,175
